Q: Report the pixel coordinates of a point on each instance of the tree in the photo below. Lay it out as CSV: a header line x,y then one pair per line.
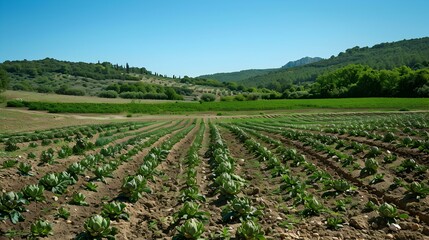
x,y
4,80
127,67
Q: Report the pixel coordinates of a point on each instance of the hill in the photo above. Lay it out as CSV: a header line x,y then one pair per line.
x,y
237,76
301,62
246,74
413,53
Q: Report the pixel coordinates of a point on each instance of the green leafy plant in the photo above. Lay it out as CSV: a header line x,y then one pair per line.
x,y
41,228
102,172
334,223
340,206
46,142
191,210
133,187
390,158
371,167
370,206
62,213
373,152
389,137
78,199
239,208
24,169
222,234
250,230
75,169
98,227
191,229
55,182
390,213
379,177
9,163
47,156
417,190
31,155
91,186
312,207
65,151
10,146
191,194
11,206
115,211
409,165
34,192
231,188
338,186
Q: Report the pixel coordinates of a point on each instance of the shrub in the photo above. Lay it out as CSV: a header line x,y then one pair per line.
x,y
108,94
208,97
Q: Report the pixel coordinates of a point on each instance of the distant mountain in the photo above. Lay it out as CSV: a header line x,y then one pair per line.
x,y
413,53
302,61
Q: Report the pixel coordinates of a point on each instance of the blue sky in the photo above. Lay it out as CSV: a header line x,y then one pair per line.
x,y
194,37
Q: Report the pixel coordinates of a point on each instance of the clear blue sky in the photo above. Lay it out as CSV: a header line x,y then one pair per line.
x,y
195,37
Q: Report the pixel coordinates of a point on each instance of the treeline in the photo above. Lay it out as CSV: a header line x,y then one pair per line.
x,y
363,81
412,53
143,91
99,71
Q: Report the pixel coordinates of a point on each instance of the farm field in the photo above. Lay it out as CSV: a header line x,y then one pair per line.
x,y
298,176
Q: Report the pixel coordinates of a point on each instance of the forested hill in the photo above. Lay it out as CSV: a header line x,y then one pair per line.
x,y
237,76
97,71
413,53
301,62
245,74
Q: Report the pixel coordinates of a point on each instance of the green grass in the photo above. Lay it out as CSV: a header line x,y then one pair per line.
x,y
182,107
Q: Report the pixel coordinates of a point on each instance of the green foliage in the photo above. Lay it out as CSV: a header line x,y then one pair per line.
x,y
11,206
370,206
334,223
98,71
78,199
82,145
191,229
133,187
57,183
239,208
9,163
34,192
371,167
191,210
91,187
62,213
98,227
208,97
10,146
4,80
140,90
336,78
115,211
24,169
108,94
250,230
41,228
390,213
47,156
191,194
417,190
312,207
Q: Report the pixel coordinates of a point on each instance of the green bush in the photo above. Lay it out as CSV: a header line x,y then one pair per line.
x,y
108,94
208,97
